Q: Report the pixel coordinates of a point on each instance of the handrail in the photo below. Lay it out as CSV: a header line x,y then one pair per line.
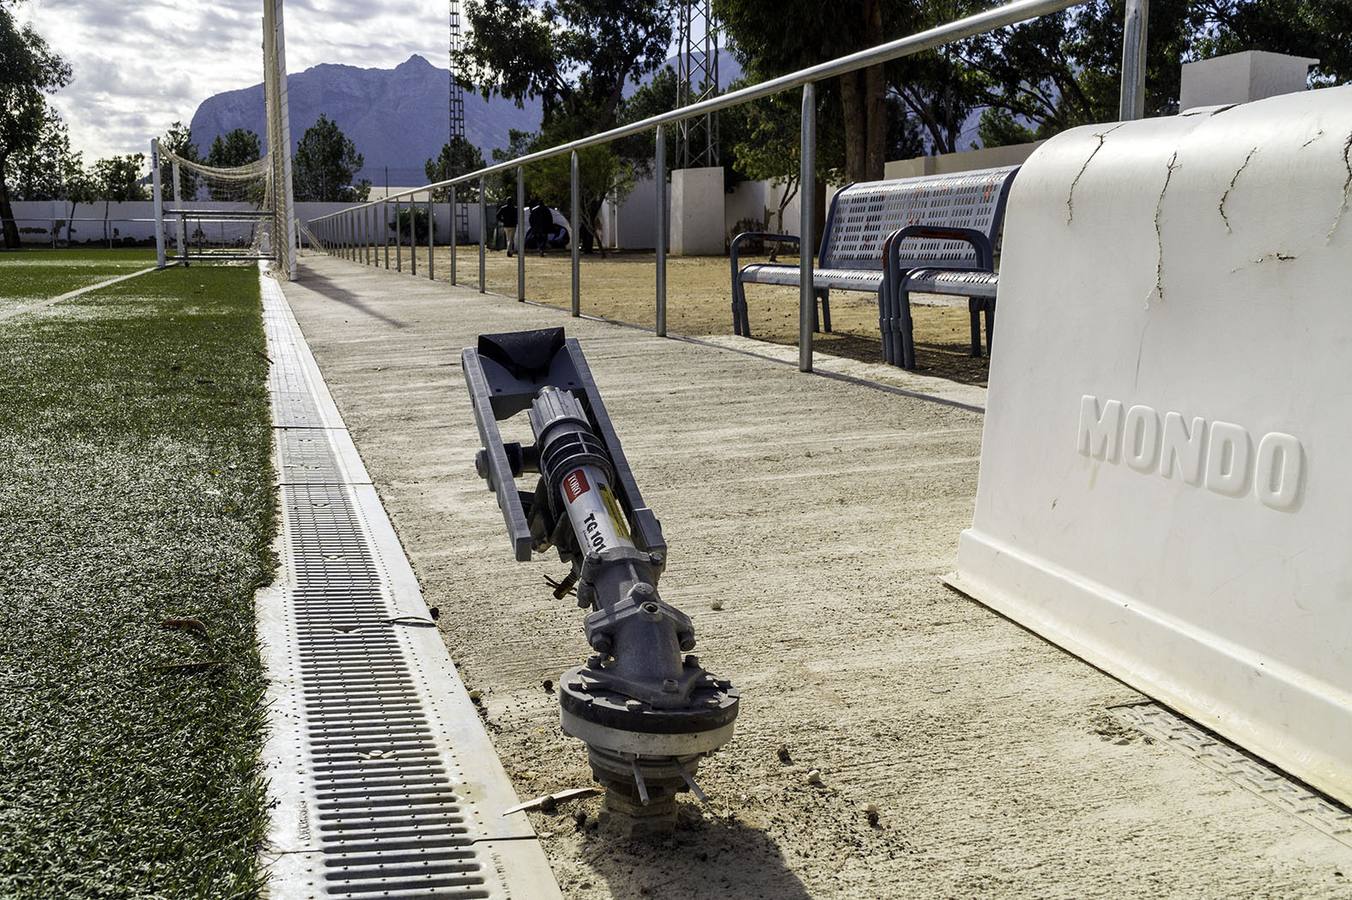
x,y
991,19
346,232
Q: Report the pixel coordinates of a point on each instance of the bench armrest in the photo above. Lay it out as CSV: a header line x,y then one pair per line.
x,y
734,252
985,253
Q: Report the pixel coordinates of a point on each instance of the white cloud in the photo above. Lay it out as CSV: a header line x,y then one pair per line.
x,y
138,67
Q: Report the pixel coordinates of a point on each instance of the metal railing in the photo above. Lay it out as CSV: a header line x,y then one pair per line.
x,y
338,232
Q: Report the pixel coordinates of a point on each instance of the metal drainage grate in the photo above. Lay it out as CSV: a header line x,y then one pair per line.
x,y
1244,769
380,801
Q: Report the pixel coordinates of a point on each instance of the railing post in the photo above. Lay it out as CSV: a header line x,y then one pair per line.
x,y
661,179
807,193
521,233
576,237
412,236
398,241
385,230
367,215
431,237
1134,27
455,238
483,231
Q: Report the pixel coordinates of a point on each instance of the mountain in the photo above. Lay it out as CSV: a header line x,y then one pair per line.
x,y
396,117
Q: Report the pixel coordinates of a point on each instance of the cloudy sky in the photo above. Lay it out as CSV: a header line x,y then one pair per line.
x,y
141,65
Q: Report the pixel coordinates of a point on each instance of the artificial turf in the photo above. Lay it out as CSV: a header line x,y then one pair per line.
x,y
32,274
136,500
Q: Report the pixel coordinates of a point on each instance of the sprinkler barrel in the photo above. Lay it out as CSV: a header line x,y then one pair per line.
x,y
645,708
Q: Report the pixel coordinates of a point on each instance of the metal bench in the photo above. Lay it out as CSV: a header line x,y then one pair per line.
x,y
934,234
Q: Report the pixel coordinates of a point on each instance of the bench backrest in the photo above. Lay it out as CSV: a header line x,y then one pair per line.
x,y
862,215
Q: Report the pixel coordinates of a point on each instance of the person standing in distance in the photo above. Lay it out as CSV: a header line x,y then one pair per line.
x,y
541,223
507,219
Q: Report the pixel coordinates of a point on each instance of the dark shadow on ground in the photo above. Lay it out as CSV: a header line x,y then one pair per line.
x,y
716,858
329,288
951,361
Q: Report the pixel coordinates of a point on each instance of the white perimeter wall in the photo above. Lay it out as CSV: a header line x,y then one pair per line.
x,y
630,224
136,219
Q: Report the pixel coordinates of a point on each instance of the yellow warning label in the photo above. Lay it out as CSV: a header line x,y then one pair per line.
x,y
617,516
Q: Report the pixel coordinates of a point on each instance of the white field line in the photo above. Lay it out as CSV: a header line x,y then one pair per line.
x,y
52,301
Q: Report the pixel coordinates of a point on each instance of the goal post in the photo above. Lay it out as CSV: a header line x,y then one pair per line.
x,y
157,194
279,136
235,213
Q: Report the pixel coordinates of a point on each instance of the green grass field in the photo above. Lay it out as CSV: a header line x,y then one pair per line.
x,y
33,274
136,501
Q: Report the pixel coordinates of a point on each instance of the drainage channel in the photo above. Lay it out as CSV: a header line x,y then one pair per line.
x,y
383,780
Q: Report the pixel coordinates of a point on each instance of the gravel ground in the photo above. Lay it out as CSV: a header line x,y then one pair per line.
x,y
819,515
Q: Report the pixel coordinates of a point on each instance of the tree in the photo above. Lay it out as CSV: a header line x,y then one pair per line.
x,y
178,140
772,37
326,163
81,187
40,171
575,55
234,148
457,157
118,179
29,72
1063,70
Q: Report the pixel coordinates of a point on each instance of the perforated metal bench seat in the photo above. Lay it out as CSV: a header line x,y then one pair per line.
x,y
936,233
839,279
977,285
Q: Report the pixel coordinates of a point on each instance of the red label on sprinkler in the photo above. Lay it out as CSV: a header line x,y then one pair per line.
x,y
575,485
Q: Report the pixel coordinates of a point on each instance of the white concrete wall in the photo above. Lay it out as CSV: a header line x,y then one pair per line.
x,y
698,215
1241,77
135,219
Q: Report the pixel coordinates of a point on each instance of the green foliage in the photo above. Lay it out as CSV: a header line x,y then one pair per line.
x,y
45,170
238,147
178,140
601,173
28,72
326,164
138,488
418,215
575,55
1063,70
457,157
117,178
1312,28
234,148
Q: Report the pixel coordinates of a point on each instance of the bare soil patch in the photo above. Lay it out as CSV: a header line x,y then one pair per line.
x,y
620,286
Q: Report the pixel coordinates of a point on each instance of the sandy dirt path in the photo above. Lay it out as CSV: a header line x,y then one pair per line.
x,y
820,514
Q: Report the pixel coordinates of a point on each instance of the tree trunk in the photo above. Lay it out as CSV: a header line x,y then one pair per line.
x,y
10,227
855,114
875,97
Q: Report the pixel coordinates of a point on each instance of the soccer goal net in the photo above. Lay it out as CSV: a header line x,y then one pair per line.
x,y
217,213
229,213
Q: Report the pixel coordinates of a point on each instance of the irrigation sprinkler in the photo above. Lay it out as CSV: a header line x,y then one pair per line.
x,y
646,712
